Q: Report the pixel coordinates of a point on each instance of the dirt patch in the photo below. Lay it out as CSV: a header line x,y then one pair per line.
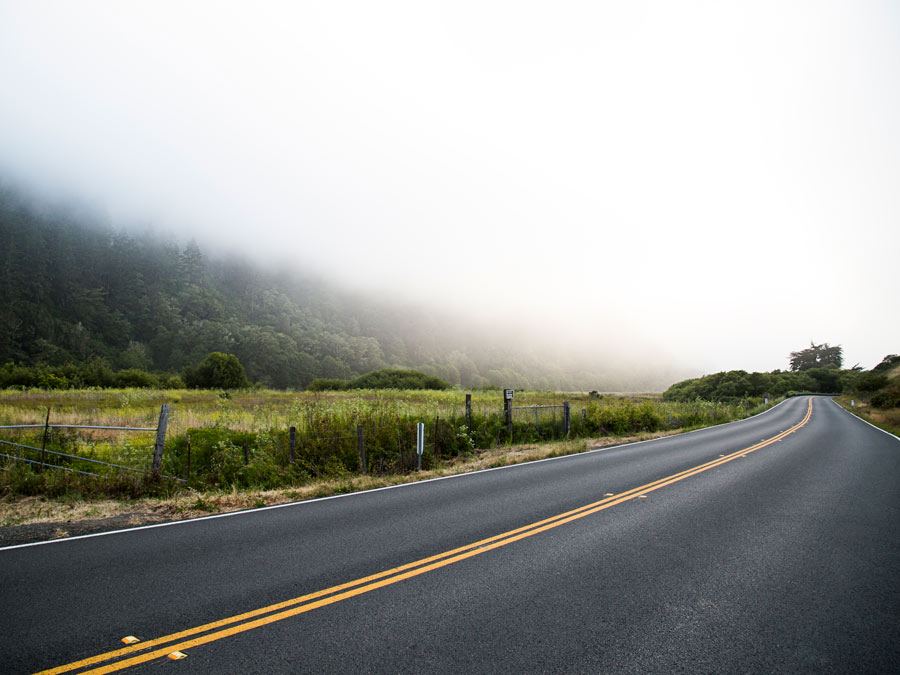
x,y
33,532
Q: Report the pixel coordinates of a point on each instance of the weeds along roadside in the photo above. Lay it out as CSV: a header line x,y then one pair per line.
x,y
240,441
883,418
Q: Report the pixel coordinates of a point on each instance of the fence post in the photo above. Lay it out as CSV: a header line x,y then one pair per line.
x,y
44,440
566,417
160,437
293,442
468,413
188,458
361,443
246,455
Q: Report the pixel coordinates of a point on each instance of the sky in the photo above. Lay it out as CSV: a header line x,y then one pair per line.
x,y
713,183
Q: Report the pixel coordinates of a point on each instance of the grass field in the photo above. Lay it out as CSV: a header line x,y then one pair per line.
x,y
240,441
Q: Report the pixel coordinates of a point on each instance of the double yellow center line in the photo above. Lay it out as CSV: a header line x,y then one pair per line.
x,y
216,630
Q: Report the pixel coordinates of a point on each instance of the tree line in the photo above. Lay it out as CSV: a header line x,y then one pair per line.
x,y
734,385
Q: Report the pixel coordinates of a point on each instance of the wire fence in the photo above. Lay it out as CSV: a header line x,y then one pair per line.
x,y
313,443
555,418
73,460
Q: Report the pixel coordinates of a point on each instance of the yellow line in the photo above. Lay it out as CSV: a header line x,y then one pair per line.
x,y
366,584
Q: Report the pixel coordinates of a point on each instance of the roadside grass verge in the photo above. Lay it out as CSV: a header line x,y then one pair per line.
x,y
888,419
240,458
189,503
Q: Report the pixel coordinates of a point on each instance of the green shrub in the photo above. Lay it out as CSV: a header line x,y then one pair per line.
x,y
132,377
397,378
75,376
889,398
870,382
386,378
170,381
624,418
327,384
217,371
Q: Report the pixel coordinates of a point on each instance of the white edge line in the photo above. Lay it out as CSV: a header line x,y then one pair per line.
x,y
855,416
62,540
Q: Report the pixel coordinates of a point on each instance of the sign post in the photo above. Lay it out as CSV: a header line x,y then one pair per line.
x,y
420,442
507,409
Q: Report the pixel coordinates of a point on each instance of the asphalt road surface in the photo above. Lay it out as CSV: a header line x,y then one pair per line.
x,y
767,545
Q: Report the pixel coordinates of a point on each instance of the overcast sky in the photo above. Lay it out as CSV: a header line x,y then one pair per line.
x,y
717,180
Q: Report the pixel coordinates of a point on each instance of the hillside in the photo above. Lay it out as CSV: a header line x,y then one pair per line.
x,y
73,289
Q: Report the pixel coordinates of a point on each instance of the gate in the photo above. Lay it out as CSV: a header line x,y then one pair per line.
x,y
547,412
41,460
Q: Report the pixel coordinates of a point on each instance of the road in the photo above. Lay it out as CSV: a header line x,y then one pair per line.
x,y
766,545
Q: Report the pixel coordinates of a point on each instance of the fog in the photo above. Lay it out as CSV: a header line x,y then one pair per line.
x,y
705,185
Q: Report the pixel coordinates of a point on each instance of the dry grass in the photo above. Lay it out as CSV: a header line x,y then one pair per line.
x,y
191,504
889,420
886,419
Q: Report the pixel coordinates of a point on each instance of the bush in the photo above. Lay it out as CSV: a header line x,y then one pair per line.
x,y
869,382
217,371
887,399
132,377
52,381
327,384
170,381
75,376
397,378
624,418
386,378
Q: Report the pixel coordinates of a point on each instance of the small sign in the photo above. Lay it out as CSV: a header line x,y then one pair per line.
x,y
420,439
508,394
420,443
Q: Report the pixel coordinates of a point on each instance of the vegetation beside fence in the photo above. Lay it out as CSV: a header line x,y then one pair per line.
x,y
876,395
242,440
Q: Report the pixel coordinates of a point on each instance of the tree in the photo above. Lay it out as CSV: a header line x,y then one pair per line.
x,y
817,356
217,371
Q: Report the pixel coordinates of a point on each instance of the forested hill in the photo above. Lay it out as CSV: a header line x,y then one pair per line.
x,y
75,291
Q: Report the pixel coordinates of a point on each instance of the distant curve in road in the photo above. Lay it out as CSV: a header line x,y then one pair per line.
x,y
767,545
